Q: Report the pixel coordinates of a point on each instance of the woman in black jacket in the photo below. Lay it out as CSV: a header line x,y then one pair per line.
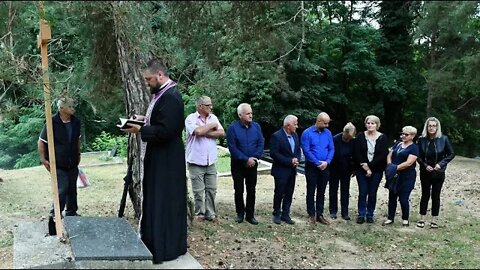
x,y
370,152
435,152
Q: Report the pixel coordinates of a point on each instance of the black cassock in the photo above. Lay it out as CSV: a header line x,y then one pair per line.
x,y
164,214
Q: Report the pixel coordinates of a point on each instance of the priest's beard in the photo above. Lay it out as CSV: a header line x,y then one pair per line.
x,y
155,89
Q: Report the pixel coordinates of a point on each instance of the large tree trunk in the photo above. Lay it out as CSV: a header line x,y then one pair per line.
x,y
137,99
132,60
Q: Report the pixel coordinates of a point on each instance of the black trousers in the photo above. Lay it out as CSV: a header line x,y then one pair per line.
x,y
343,180
244,177
67,191
431,187
283,193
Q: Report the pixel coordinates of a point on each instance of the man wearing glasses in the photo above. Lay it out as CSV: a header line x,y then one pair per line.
x,y
203,128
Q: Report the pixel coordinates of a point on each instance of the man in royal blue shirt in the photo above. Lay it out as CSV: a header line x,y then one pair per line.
x,y
318,148
245,143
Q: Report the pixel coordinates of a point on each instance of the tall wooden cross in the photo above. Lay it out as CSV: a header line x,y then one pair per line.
x,y
42,42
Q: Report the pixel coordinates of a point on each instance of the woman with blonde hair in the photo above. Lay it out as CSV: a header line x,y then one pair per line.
x,y
435,152
370,152
403,156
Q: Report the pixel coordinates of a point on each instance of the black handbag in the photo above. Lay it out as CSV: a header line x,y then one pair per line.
x,y
392,184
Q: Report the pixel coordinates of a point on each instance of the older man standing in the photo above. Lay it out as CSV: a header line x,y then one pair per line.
x,y
318,148
245,143
203,128
285,152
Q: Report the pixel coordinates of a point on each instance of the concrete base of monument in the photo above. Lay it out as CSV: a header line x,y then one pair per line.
x,y
91,242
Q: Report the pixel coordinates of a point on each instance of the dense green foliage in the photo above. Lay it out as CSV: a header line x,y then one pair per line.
x,y
402,61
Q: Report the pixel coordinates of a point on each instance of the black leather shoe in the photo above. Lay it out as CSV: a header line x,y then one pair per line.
x,y
370,220
346,217
239,219
276,220
333,216
360,220
288,220
252,221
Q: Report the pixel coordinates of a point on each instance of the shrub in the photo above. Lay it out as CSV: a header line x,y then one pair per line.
x,y
109,142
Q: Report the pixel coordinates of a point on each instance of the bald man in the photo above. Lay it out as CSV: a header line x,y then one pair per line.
x,y
318,148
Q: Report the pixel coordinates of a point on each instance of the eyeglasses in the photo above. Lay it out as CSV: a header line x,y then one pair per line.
x,y
405,134
207,105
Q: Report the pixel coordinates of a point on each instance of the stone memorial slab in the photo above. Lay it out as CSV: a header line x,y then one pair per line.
x,y
104,238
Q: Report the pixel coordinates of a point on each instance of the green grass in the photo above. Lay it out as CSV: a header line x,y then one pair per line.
x,y
223,162
25,195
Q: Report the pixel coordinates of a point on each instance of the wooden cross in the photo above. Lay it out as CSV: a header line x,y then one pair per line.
x,y
42,42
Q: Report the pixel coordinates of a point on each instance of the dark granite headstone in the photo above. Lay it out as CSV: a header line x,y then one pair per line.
x,y
104,238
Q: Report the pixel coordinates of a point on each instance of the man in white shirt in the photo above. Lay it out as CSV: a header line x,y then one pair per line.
x,y
203,128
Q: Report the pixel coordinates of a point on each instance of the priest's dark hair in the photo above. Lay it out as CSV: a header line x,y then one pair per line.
x,y
156,64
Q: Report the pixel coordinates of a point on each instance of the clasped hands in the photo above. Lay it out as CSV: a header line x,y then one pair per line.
x,y
251,162
367,169
295,162
431,169
323,165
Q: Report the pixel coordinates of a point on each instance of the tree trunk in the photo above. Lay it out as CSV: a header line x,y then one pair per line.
x,y
136,98
132,61
433,45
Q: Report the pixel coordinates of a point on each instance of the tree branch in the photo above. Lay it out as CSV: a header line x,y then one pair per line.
x,y
272,61
465,104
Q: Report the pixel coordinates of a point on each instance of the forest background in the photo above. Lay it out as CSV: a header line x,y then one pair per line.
x,y
400,60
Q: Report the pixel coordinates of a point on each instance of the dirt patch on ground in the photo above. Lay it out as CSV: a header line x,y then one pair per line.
x,y
267,245
25,195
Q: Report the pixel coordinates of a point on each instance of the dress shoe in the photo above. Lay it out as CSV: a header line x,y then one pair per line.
x,y
346,217
322,220
199,217
370,220
333,216
311,220
360,220
252,221
212,218
387,222
239,219
276,219
288,220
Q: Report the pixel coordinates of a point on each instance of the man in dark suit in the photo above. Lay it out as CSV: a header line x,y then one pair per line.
x,y
285,152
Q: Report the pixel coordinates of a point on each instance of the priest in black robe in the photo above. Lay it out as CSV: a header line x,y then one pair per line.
x,y
163,221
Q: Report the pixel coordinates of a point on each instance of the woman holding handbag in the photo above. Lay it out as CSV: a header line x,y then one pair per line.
x,y
403,155
435,152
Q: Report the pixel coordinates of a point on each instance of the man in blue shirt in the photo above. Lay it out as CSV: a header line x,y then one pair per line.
x,y
245,143
318,148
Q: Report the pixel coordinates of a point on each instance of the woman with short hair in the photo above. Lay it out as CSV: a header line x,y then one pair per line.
x,y
370,152
403,155
435,152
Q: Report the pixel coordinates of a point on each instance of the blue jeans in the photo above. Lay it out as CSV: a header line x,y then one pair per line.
x,y
367,192
316,180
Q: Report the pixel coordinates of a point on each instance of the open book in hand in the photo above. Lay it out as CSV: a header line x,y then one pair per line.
x,y
124,122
